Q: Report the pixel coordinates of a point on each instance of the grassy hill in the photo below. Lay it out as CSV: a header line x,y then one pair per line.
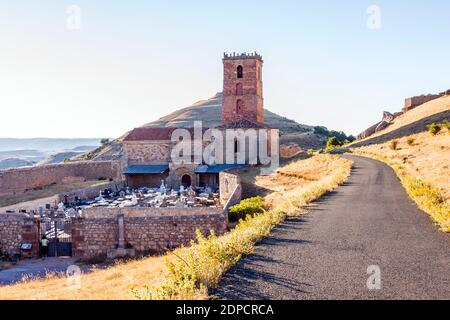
x,y
210,113
420,158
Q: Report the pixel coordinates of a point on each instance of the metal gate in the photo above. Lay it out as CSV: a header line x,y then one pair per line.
x,y
58,231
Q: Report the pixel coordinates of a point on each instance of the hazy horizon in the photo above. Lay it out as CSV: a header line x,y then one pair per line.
x,y
126,64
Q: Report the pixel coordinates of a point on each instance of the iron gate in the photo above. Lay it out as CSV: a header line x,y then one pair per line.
x,y
58,231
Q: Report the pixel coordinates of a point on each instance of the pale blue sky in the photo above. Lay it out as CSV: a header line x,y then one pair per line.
x,y
135,61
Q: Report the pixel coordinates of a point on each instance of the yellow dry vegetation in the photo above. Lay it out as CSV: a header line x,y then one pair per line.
x,y
188,273
115,282
423,111
422,162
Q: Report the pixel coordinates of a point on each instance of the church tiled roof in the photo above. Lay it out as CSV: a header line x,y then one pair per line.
x,y
154,134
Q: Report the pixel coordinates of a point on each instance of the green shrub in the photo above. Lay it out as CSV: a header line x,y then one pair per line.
x,y
434,129
333,143
394,144
446,124
246,207
410,141
310,152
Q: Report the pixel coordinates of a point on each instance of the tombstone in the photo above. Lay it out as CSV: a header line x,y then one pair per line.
x,y
121,250
61,207
162,188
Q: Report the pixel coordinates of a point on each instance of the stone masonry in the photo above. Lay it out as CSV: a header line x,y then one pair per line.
x,y
242,88
20,180
146,230
16,229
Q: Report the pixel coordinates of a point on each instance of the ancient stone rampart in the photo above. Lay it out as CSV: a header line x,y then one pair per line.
x,y
15,181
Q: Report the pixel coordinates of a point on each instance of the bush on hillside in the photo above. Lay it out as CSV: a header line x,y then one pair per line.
x,y
250,206
333,143
410,141
340,135
434,129
394,145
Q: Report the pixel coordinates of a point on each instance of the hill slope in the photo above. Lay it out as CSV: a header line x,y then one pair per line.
x,y
411,122
421,159
210,113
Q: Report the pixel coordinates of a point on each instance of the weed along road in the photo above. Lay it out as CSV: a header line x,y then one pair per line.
x,y
366,240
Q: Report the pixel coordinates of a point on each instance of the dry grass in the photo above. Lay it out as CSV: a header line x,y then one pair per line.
x,y
46,192
422,162
189,272
287,180
113,283
423,111
201,266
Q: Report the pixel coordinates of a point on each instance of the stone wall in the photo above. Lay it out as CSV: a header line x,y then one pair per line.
x,y
20,180
229,181
16,229
413,102
146,230
147,151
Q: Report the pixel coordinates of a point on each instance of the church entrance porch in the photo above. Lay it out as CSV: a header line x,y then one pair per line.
x,y
186,181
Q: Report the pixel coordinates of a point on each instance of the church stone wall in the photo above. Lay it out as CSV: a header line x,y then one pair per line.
x,y
147,151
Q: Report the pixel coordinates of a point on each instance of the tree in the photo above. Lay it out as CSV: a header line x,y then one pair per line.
x,y
333,143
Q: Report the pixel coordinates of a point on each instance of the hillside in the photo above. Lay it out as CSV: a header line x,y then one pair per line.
x,y
411,122
420,158
14,163
16,158
210,113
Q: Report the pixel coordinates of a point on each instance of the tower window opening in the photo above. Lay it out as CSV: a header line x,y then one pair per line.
x,y
240,72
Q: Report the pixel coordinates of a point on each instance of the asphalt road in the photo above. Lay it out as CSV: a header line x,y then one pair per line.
x,y
370,221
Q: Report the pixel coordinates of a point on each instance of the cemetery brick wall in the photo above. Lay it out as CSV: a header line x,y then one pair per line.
x,y
16,229
14,181
147,230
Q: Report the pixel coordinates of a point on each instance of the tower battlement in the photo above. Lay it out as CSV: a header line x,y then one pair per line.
x,y
241,56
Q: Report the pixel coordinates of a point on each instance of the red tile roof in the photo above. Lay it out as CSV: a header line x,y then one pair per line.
x,y
154,134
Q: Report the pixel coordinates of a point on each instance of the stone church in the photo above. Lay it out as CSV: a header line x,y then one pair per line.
x,y
148,150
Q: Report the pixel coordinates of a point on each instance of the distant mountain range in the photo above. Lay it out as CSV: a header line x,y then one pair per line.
x,y
16,153
46,144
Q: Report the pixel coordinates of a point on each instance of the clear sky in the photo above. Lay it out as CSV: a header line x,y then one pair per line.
x,y
132,62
